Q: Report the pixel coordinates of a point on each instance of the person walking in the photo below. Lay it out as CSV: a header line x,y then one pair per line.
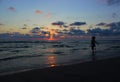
x,y
93,44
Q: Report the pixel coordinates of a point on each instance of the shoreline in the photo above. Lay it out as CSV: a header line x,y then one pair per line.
x,y
91,59
97,71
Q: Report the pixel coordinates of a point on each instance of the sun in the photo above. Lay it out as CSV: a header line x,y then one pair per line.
x,y
52,33
51,38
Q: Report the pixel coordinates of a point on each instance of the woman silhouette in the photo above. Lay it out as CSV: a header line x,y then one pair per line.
x,y
93,44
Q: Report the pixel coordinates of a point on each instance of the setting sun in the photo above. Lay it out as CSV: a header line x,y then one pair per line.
x,y
60,40
52,34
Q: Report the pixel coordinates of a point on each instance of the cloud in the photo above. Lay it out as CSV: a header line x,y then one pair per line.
x,y
76,32
114,29
103,32
35,30
113,2
16,36
101,24
59,23
39,31
78,23
65,26
98,31
38,12
24,26
44,32
114,26
11,8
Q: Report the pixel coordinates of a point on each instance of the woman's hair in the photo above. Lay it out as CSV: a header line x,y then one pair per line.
x,y
93,37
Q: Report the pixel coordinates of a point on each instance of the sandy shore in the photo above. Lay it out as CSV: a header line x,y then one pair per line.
x,y
106,70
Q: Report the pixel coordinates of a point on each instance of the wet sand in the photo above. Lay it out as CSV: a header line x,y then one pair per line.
x,y
105,70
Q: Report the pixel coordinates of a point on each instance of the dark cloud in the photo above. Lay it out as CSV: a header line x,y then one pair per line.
x,y
35,30
38,31
113,2
59,23
103,32
44,32
98,31
65,26
114,29
16,36
11,8
24,26
114,26
101,24
76,32
78,23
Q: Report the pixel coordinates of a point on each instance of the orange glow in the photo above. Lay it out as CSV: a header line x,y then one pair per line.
x,y
46,35
52,33
51,38
51,61
52,65
51,57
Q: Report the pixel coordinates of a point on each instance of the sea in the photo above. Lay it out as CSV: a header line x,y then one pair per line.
x,y
18,56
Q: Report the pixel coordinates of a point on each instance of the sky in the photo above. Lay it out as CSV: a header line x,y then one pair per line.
x,y
48,18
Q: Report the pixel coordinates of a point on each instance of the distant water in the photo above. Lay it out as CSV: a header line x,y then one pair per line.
x,y
26,55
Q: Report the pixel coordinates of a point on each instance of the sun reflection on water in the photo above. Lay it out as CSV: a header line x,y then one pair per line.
x,y
51,59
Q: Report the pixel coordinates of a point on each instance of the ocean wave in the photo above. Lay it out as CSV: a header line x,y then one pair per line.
x,y
115,47
18,57
30,41
15,47
62,45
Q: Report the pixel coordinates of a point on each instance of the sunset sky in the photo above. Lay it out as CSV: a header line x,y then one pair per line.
x,y
61,16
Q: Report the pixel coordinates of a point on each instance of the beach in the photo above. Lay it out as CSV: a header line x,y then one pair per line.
x,y
59,41
104,70
59,61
